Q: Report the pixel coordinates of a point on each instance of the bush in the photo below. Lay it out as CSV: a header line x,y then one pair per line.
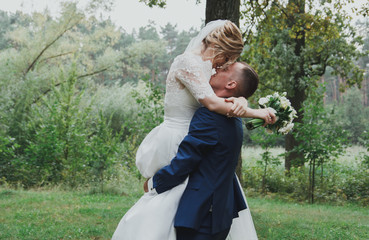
x,y
346,179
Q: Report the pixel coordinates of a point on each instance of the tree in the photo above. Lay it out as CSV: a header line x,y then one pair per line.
x,y
142,58
223,9
43,117
322,140
353,114
291,44
148,32
364,61
183,39
170,35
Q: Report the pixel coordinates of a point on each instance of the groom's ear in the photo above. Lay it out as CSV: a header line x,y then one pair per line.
x,y
231,85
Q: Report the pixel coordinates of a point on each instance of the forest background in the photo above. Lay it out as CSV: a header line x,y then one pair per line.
x,y
78,94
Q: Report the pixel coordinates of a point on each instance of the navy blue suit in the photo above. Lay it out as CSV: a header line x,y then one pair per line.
x,y
208,155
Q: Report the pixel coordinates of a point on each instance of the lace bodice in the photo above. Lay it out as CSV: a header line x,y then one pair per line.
x,y
187,82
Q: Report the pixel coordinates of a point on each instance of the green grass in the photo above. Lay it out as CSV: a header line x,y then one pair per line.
x,y
57,214
60,215
276,219
351,157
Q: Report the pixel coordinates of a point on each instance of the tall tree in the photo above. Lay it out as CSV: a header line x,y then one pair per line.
x,y
223,9
148,32
292,43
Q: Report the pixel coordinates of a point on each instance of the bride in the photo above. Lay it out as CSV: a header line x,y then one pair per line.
x,y
218,45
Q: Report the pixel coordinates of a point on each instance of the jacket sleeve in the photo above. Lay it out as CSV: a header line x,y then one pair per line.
x,y
202,137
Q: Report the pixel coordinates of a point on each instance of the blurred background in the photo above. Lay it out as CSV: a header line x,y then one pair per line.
x,y
82,83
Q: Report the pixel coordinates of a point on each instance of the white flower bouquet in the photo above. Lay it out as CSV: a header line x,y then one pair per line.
x,y
283,110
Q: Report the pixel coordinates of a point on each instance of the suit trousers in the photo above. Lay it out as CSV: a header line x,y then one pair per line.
x,y
191,234
204,233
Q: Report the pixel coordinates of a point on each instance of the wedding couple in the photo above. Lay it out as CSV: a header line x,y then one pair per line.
x,y
190,159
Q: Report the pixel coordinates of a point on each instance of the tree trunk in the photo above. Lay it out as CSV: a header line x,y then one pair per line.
x,y
339,87
334,90
309,191
325,93
299,96
313,183
365,93
223,9
230,10
263,183
294,158
322,174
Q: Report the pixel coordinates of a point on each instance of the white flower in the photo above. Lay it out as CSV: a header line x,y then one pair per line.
x,y
263,101
283,106
289,127
293,114
286,129
285,102
283,131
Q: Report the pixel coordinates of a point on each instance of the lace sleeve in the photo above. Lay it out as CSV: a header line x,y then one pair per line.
x,y
195,75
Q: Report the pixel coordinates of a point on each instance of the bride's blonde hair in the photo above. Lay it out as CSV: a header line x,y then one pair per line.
x,y
227,43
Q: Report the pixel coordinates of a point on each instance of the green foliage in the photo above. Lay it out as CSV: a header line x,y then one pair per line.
x,y
144,58
58,129
8,147
104,150
321,140
266,140
365,141
151,3
291,44
149,114
294,43
72,108
344,180
354,114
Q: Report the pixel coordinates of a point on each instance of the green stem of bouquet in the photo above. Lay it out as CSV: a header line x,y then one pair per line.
x,y
254,123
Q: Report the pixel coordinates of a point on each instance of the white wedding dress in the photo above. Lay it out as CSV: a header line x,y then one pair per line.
x,y
152,217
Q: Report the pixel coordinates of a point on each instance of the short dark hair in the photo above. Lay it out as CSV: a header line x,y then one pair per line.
x,y
247,79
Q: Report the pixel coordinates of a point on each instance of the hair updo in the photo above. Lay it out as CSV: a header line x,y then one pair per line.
x,y
227,43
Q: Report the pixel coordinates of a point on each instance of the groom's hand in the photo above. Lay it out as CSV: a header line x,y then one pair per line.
x,y
146,188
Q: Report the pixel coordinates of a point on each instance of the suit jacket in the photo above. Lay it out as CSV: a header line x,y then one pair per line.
x,y
208,155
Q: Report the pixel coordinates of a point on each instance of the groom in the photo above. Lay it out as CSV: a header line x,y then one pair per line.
x,y
208,155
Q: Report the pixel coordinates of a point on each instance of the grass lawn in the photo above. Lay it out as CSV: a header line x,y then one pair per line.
x,y
276,219
76,215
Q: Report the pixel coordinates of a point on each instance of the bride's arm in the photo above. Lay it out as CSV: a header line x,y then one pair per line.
x,y
237,107
191,75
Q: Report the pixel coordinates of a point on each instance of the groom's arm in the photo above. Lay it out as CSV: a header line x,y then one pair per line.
x,y
202,137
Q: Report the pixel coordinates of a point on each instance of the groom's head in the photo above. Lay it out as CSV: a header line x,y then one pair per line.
x,y
238,80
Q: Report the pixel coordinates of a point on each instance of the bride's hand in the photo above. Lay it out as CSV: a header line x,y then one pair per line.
x,y
239,107
267,114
